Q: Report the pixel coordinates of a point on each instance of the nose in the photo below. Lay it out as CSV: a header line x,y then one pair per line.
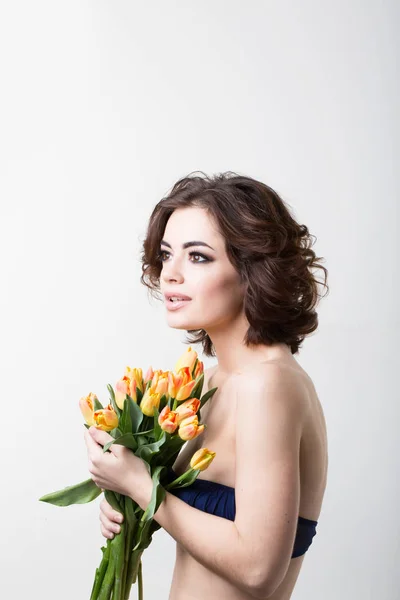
x,y
171,272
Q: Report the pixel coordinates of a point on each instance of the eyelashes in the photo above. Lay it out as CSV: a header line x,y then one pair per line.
x,y
193,253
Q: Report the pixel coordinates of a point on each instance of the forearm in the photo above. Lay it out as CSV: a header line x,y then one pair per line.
x,y
212,540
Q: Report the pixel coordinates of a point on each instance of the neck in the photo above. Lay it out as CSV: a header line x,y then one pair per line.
x,y
232,353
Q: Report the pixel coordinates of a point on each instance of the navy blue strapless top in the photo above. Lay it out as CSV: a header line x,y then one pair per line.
x,y
219,499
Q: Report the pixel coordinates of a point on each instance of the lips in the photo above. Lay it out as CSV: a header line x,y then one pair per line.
x,y
170,295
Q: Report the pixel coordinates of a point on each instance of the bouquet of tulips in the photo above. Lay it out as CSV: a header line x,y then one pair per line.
x,y
153,416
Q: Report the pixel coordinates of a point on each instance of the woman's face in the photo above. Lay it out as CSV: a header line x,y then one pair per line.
x,y
201,271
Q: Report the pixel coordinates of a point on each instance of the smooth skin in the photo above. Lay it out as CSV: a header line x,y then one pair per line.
x,y
257,465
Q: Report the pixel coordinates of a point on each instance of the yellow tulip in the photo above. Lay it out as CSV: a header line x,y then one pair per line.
x,y
86,404
187,359
168,420
105,419
136,375
190,428
150,401
202,459
187,409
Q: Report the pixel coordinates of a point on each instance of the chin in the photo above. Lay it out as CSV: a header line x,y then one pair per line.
x,y
186,324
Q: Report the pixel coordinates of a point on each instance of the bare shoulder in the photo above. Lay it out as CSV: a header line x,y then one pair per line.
x,y
275,385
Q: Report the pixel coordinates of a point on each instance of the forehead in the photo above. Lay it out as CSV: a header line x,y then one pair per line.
x,y
192,223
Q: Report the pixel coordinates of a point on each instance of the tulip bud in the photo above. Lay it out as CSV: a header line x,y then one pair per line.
x,y
202,459
187,359
185,391
198,370
149,375
86,404
105,419
162,385
122,389
150,401
187,409
190,428
168,420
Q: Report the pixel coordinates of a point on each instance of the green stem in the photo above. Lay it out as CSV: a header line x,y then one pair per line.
x,y
100,572
140,581
178,480
132,571
108,582
131,523
119,559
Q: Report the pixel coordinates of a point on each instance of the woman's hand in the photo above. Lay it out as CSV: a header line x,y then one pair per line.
x,y
110,520
118,470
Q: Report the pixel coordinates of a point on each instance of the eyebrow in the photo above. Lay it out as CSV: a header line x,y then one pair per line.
x,y
188,244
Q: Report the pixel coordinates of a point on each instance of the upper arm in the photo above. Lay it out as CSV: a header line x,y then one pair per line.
x,y
271,406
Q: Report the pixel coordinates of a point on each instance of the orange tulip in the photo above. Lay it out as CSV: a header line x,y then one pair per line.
x,y
149,375
187,359
125,386
174,381
189,428
198,370
161,386
86,404
202,459
168,420
185,391
105,419
150,401
187,409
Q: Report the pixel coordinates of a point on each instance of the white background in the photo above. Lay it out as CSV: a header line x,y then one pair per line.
x,y
104,105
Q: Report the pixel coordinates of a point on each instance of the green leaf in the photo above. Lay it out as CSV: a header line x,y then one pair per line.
x,y
183,480
194,366
157,429
112,499
163,403
115,433
126,440
146,451
157,496
171,450
113,403
136,415
207,396
97,405
196,391
125,422
81,493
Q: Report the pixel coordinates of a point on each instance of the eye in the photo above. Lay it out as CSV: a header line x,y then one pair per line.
x,y
199,254
162,253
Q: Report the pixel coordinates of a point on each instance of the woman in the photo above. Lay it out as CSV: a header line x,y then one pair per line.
x,y
235,271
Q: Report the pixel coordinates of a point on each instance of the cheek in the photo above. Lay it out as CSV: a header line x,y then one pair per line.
x,y
220,292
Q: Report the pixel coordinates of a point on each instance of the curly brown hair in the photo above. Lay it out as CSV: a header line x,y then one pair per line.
x,y
268,248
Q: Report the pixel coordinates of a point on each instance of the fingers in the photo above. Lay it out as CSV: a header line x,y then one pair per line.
x,y
110,520
108,528
113,516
